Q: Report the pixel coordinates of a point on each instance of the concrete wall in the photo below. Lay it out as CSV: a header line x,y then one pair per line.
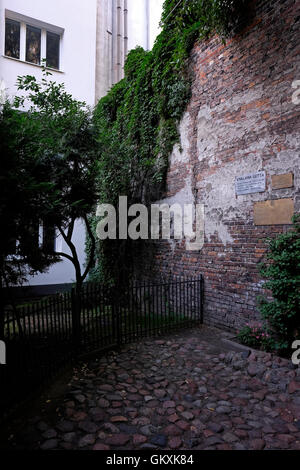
x,y
143,22
155,11
241,119
138,23
122,25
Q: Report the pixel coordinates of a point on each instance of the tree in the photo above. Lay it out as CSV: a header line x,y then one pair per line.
x,y
23,192
54,147
24,186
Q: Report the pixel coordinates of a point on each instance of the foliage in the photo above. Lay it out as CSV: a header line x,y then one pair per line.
x,y
24,186
281,314
283,279
55,154
138,120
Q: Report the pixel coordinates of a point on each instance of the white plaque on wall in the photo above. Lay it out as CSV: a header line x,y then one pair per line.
x,y
249,184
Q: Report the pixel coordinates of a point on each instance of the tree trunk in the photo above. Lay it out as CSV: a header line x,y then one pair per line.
x,y
1,310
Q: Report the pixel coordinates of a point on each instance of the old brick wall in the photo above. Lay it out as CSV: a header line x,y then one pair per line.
x,y
241,119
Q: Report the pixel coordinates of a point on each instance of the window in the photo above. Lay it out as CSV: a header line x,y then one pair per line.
x,y
34,42
48,238
36,235
12,38
12,246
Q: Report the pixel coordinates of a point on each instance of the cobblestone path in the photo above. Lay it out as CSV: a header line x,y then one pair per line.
x,y
190,390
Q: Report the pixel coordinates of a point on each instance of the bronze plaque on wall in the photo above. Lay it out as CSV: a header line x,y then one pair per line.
x,y
275,212
283,181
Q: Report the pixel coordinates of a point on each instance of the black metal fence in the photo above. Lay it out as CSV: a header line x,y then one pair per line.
x,y
44,335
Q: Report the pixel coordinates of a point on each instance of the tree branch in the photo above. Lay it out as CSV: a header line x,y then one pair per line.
x,y
64,255
70,244
71,229
73,258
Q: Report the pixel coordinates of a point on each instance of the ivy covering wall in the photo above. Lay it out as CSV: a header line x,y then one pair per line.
x,y
138,119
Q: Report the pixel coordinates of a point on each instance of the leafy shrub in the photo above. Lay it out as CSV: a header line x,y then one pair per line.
x,y
282,313
257,336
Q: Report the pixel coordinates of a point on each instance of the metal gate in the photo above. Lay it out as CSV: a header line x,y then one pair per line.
x,y
45,335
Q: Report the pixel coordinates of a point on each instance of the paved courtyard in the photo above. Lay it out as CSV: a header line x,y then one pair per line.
x,y
189,390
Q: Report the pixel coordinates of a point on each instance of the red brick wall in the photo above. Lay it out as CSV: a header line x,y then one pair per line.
x,y
240,119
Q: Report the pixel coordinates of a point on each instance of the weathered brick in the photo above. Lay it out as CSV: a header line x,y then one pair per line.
x,y
240,119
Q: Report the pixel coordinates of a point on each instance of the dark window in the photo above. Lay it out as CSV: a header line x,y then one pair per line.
x,y
12,38
33,44
49,237
52,53
29,238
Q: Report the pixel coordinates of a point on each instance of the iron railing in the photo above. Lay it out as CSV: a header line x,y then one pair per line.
x,y
45,335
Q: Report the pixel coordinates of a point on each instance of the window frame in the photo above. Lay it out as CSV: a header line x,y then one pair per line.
x,y
44,27
48,244
27,50
49,33
5,36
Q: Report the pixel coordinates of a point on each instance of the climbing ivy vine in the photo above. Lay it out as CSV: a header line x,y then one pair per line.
x,y
138,119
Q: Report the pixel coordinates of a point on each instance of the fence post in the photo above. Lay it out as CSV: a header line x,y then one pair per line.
x,y
201,298
75,300
2,310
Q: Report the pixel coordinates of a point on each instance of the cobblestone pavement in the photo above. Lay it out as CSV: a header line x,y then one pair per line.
x,y
190,390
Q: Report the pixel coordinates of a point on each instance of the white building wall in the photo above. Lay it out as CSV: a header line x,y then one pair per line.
x,y
138,13
78,45
64,272
143,22
155,11
104,42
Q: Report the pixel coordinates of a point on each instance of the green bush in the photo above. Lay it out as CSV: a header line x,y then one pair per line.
x,y
281,315
282,272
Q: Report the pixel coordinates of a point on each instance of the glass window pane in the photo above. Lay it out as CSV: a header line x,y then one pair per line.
x,y
49,238
52,53
33,44
12,38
